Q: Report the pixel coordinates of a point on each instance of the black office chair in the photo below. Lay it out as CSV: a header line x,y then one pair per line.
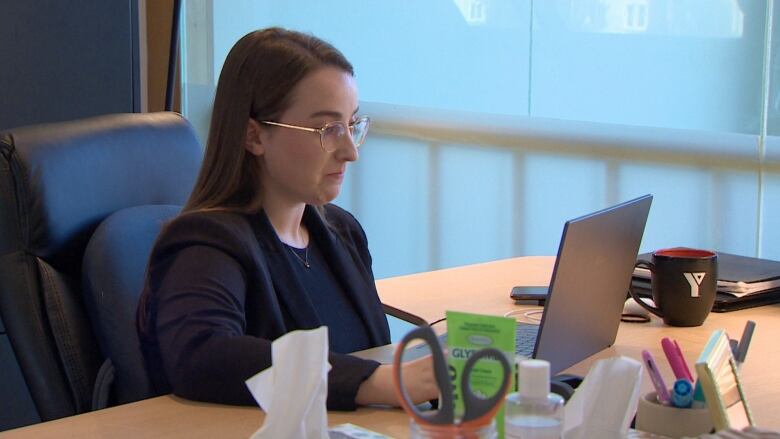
x,y
58,182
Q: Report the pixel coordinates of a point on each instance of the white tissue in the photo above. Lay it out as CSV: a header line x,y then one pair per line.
x,y
606,400
294,390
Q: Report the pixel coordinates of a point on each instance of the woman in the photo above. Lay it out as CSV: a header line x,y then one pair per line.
x,y
258,251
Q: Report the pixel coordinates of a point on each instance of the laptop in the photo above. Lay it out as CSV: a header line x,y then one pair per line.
x,y
587,289
589,284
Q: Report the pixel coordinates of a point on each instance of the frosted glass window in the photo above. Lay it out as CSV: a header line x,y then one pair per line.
x,y
421,53
682,205
555,190
475,205
773,103
771,231
388,189
594,101
676,64
736,206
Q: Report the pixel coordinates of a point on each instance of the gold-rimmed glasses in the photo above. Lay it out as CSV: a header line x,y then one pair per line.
x,y
334,133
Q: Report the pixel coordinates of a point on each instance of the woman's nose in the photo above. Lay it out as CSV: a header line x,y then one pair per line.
x,y
347,150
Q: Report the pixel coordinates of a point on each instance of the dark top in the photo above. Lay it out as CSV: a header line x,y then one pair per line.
x,y
346,332
219,290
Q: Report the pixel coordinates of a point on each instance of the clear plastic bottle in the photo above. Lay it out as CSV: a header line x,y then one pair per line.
x,y
533,412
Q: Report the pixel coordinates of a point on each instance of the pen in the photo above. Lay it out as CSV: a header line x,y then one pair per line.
x,y
744,341
734,345
676,360
661,392
682,393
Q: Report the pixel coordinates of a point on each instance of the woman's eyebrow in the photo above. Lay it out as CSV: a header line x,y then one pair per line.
x,y
333,114
329,113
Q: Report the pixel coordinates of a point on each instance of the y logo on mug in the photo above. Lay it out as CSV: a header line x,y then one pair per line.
x,y
694,280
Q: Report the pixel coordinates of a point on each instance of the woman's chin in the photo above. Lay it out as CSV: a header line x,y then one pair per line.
x,y
325,197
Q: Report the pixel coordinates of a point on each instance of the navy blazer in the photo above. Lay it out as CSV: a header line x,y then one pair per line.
x,y
218,291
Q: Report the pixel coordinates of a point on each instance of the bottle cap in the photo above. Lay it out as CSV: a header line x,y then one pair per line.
x,y
533,378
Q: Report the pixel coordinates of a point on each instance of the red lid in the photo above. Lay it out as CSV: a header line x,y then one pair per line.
x,y
684,252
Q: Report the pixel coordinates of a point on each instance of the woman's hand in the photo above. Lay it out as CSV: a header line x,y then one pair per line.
x,y
418,380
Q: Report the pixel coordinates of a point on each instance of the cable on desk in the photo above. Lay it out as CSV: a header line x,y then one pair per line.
x,y
634,318
437,321
532,314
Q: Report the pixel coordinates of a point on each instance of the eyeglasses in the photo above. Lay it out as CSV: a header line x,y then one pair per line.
x,y
334,133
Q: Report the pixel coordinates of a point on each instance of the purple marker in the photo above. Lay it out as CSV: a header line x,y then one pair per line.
x,y
661,392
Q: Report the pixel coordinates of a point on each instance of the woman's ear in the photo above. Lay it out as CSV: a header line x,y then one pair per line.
x,y
253,144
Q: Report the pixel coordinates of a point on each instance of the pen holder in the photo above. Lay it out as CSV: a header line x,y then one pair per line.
x,y
666,420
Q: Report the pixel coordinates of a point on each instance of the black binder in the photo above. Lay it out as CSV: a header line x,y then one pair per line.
x,y
733,268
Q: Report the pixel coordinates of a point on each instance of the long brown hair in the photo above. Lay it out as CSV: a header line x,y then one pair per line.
x,y
256,82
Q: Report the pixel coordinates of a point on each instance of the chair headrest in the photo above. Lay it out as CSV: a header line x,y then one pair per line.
x,y
67,177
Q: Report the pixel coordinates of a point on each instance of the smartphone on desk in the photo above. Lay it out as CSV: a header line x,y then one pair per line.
x,y
538,294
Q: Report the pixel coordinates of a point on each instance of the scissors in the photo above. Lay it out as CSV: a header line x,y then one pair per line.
x,y
478,411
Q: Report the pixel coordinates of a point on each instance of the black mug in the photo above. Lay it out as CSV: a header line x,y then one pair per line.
x,y
683,282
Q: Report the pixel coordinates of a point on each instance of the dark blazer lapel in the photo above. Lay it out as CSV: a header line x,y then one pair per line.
x,y
355,279
287,286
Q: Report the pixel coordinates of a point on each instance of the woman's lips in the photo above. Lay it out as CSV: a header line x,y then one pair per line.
x,y
338,176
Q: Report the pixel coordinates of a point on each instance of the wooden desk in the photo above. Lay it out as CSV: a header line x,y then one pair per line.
x,y
484,288
168,417
481,288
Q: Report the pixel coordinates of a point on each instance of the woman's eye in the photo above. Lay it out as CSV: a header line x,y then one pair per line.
x,y
336,130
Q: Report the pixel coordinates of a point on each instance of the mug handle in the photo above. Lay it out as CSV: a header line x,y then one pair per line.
x,y
649,265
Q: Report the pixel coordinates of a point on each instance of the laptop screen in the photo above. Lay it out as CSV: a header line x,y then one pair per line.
x,y
590,282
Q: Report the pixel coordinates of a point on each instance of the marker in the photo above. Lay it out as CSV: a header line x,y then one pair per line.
x,y
661,392
682,393
698,395
676,360
744,341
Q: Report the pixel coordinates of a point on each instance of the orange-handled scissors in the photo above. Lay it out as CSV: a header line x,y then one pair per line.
x,y
478,411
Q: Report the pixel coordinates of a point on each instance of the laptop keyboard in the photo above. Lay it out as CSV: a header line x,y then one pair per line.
x,y
525,339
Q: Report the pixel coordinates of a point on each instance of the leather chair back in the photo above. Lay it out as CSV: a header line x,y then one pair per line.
x,y
113,272
58,182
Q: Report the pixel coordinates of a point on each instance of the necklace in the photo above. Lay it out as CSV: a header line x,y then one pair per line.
x,y
305,259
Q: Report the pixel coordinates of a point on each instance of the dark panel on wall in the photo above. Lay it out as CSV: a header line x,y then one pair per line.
x,y
64,60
